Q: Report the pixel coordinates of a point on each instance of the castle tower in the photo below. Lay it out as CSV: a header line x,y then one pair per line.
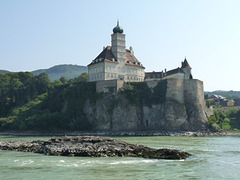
x,y
119,44
186,69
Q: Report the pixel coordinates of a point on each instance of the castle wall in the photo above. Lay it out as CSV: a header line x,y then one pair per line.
x,y
111,86
183,109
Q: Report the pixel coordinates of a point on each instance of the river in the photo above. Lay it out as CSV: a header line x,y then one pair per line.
x,y
212,158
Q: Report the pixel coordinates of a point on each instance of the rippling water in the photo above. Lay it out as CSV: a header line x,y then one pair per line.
x,y
212,158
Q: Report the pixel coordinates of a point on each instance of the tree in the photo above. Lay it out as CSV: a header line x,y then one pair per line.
x,y
82,78
232,113
42,82
63,80
57,83
238,115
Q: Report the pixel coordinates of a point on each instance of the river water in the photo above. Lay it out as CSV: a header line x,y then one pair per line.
x,y
212,158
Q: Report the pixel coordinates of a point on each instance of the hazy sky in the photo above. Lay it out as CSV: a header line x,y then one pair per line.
x,y
36,34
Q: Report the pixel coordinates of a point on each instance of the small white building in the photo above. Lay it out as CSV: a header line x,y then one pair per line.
x,y
116,62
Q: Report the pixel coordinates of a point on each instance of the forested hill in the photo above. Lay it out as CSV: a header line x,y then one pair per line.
x,y
3,72
68,71
227,94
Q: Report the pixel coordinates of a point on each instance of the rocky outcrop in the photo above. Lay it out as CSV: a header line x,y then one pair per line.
x,y
184,109
91,146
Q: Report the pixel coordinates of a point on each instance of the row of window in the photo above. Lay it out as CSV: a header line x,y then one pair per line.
x,y
113,76
134,78
114,69
95,70
122,70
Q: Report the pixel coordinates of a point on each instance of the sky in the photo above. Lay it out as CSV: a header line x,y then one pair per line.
x,y
42,33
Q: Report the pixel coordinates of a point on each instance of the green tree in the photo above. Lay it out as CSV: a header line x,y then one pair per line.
x,y
82,78
63,80
42,83
57,83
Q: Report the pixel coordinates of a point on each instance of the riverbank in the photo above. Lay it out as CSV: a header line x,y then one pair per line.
x,y
120,133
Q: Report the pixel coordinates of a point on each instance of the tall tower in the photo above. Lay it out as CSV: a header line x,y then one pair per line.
x,y
119,44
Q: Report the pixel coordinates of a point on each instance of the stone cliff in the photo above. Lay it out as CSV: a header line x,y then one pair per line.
x,y
181,107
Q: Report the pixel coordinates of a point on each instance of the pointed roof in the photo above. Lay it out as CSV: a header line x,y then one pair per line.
x,y
185,64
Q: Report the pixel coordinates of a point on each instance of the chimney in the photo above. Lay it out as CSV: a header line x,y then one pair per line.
x,y
131,50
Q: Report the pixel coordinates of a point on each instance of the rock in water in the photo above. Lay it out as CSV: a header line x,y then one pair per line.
x,y
91,146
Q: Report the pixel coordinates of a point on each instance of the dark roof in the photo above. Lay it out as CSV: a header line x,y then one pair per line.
x,y
153,74
118,29
163,74
185,64
174,71
107,56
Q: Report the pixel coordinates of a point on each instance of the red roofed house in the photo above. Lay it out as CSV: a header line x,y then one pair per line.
x,y
116,62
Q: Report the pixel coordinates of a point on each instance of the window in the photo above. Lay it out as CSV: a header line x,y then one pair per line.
x,y
111,69
131,71
108,68
123,69
98,69
101,69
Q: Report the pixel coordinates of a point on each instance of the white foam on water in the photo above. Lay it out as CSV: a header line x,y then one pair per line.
x,y
134,162
27,162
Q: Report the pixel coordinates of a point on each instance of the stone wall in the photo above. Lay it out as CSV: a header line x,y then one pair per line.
x,y
110,86
183,109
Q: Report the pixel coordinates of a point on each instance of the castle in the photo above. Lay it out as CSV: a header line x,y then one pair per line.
x,y
116,62
184,107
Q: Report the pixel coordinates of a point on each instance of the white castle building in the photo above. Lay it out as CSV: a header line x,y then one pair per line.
x,y
116,62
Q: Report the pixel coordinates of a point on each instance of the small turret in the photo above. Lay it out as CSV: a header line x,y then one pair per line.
x,y
185,64
186,69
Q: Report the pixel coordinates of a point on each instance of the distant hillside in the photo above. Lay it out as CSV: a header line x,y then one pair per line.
x,y
227,94
56,72
4,72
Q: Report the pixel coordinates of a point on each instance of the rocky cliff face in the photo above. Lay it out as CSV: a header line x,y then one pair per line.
x,y
183,108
